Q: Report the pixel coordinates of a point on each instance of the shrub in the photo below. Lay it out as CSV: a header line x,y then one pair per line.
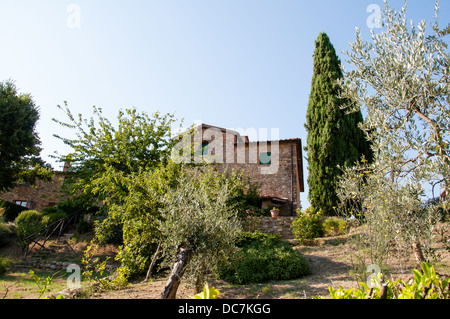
x,y
83,226
333,226
4,264
28,222
50,210
49,219
6,231
307,225
262,257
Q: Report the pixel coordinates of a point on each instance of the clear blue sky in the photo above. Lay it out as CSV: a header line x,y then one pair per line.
x,y
230,63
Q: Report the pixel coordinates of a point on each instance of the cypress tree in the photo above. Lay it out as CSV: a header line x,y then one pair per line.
x,y
334,137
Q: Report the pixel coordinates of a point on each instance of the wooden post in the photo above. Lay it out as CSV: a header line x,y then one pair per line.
x,y
152,264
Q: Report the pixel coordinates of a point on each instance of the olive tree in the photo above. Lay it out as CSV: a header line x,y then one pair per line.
x,y
199,226
400,81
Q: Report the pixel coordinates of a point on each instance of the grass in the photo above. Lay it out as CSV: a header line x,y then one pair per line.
x,y
19,284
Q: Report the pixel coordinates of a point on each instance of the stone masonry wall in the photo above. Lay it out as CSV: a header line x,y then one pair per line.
x,y
39,196
282,178
281,225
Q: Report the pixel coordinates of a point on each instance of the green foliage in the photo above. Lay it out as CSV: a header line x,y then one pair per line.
x,y
19,142
83,226
207,293
5,263
28,222
334,137
197,215
127,168
400,80
244,195
49,219
307,225
42,283
262,257
133,222
6,232
426,284
95,271
334,226
257,238
104,154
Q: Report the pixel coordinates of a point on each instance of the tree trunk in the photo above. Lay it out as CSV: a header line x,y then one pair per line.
x,y
183,257
152,264
198,288
417,249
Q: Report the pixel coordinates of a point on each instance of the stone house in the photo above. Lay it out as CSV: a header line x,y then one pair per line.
x,y
37,197
276,165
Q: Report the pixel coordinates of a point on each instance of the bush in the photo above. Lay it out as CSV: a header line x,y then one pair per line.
x,y
333,226
50,218
307,225
28,222
4,264
83,226
7,230
262,257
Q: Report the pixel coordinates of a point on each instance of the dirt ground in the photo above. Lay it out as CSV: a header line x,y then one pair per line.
x,y
331,265
329,258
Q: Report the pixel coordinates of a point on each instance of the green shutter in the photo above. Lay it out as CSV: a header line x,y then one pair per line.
x,y
205,148
265,158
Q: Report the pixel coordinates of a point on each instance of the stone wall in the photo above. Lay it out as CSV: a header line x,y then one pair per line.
x,y
39,196
281,225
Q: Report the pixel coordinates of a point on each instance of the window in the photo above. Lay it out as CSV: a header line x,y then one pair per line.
x,y
22,203
205,148
265,158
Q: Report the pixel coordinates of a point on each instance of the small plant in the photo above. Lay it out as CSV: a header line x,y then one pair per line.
x,y
207,293
334,226
307,225
42,283
95,271
426,284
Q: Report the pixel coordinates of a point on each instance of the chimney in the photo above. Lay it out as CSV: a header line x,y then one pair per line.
x,y
66,166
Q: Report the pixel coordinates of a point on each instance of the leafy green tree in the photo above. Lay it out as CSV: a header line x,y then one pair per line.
x,y
19,141
334,137
102,154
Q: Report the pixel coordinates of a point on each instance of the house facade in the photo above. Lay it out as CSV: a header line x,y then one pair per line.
x,y
276,165
39,196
